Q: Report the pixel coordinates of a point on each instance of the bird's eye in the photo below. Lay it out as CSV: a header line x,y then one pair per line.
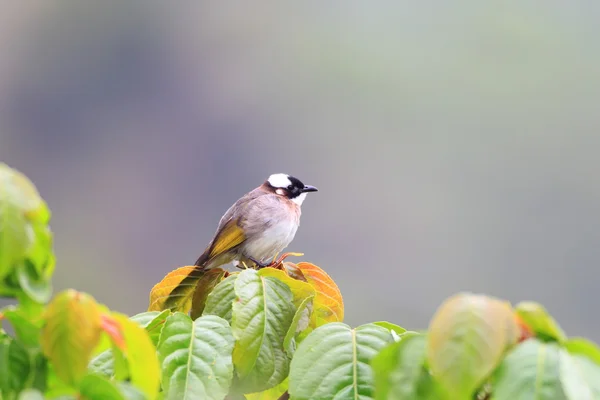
x,y
290,187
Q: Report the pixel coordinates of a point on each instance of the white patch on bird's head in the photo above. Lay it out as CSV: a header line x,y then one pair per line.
x,y
279,180
299,199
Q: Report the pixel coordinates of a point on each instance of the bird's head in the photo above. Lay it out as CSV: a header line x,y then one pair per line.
x,y
290,187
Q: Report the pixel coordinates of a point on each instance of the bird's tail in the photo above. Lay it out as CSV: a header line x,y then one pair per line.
x,y
203,259
183,287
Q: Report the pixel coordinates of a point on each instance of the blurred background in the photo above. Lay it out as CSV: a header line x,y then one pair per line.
x,y
455,145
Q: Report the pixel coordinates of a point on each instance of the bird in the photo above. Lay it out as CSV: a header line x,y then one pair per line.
x,y
254,230
257,227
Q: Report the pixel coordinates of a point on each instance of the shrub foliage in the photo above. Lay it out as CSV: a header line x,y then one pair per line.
x,y
273,333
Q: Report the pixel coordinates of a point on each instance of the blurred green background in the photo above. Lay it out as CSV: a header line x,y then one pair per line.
x,y
455,144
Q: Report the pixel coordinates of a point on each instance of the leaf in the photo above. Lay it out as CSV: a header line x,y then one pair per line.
x,y
203,288
583,347
273,393
530,371
175,290
71,332
14,367
152,322
26,330
220,301
31,394
40,253
573,378
468,336
23,219
131,392
334,362
140,356
262,316
14,238
394,329
111,327
328,302
590,371
103,363
95,387
400,372
195,357
37,288
538,319
303,297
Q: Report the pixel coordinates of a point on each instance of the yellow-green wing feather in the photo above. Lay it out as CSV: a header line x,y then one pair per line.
x,y
230,236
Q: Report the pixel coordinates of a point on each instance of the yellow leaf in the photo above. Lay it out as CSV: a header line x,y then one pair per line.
x,y
71,332
467,339
274,393
205,285
175,291
140,356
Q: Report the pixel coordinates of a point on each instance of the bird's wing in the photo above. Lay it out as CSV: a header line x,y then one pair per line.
x,y
229,235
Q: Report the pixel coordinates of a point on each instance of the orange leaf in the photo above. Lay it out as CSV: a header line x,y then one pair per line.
x,y
175,291
113,330
328,303
203,288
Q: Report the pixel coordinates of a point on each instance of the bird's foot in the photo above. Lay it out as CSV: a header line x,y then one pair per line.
x,y
259,264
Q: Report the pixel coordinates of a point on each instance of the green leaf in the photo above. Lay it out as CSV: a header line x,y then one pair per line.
x,y
573,378
71,332
13,236
590,373
303,298
95,387
400,373
467,339
262,316
22,214
273,393
103,363
584,347
530,371
152,322
38,289
538,319
396,330
14,367
195,357
130,392
140,356
334,362
220,301
26,330
39,370
31,394
40,253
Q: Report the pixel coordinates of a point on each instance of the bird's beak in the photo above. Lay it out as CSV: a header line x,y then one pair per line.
x,y
308,188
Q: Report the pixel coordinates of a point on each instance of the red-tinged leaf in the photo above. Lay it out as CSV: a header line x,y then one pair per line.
x,y
205,285
525,332
71,332
112,328
139,355
328,303
175,291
